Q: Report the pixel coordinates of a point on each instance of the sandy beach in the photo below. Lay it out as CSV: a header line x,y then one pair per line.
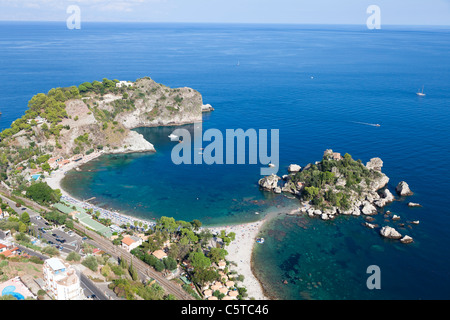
x,y
240,252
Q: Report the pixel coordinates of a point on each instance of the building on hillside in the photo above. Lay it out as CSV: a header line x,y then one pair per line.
x,y
54,162
77,157
131,242
61,280
330,155
8,249
124,83
159,254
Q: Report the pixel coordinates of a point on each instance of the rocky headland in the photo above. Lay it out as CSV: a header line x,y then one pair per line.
x,y
95,117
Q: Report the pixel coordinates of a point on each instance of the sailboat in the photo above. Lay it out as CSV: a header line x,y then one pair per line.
x,y
420,94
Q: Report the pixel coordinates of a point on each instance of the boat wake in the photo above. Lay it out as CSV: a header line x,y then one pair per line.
x,y
367,124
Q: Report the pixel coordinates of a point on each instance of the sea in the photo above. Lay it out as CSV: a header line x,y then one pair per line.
x,y
322,86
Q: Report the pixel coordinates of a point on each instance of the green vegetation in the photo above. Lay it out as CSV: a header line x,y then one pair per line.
x,y
129,289
50,107
42,193
320,181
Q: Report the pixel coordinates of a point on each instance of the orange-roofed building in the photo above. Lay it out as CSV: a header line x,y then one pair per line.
x,y
130,242
159,254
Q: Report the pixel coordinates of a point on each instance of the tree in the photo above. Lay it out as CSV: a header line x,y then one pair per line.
x,y
133,272
205,235
73,256
227,238
25,217
46,167
197,224
217,254
170,263
82,88
199,260
159,266
91,263
42,193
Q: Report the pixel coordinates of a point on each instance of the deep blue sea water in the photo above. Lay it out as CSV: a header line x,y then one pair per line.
x,y
316,84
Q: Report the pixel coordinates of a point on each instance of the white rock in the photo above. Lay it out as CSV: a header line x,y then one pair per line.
x,y
387,195
403,189
269,182
412,204
324,216
374,164
395,217
406,239
389,232
317,212
369,225
368,209
294,168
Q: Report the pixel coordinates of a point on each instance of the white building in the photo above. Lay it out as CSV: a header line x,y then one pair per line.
x,y
131,242
61,280
124,83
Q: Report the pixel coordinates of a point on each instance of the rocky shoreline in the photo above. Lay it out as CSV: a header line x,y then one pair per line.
x,y
371,192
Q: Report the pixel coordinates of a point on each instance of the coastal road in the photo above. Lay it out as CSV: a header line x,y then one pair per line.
x,y
145,270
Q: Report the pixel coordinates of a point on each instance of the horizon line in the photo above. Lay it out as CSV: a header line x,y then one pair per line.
x,y
235,23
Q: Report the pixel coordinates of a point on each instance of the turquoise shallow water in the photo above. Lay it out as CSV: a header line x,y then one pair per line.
x,y
316,84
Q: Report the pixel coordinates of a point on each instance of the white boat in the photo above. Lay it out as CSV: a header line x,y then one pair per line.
x,y
271,165
173,137
260,240
420,94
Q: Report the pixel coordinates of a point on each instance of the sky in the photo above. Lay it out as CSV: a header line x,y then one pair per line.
x,y
392,12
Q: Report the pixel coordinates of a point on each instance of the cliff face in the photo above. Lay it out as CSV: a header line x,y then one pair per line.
x,y
157,105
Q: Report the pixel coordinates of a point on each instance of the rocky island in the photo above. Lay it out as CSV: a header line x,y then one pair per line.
x,y
339,185
67,125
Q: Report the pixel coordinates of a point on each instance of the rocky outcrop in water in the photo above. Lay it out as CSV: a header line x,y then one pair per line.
x,y
413,204
341,186
406,239
403,189
390,233
269,183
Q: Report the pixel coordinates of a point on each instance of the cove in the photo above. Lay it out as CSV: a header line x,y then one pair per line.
x,y
150,185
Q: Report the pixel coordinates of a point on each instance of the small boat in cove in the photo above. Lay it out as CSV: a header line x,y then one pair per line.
x,y
173,137
260,240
